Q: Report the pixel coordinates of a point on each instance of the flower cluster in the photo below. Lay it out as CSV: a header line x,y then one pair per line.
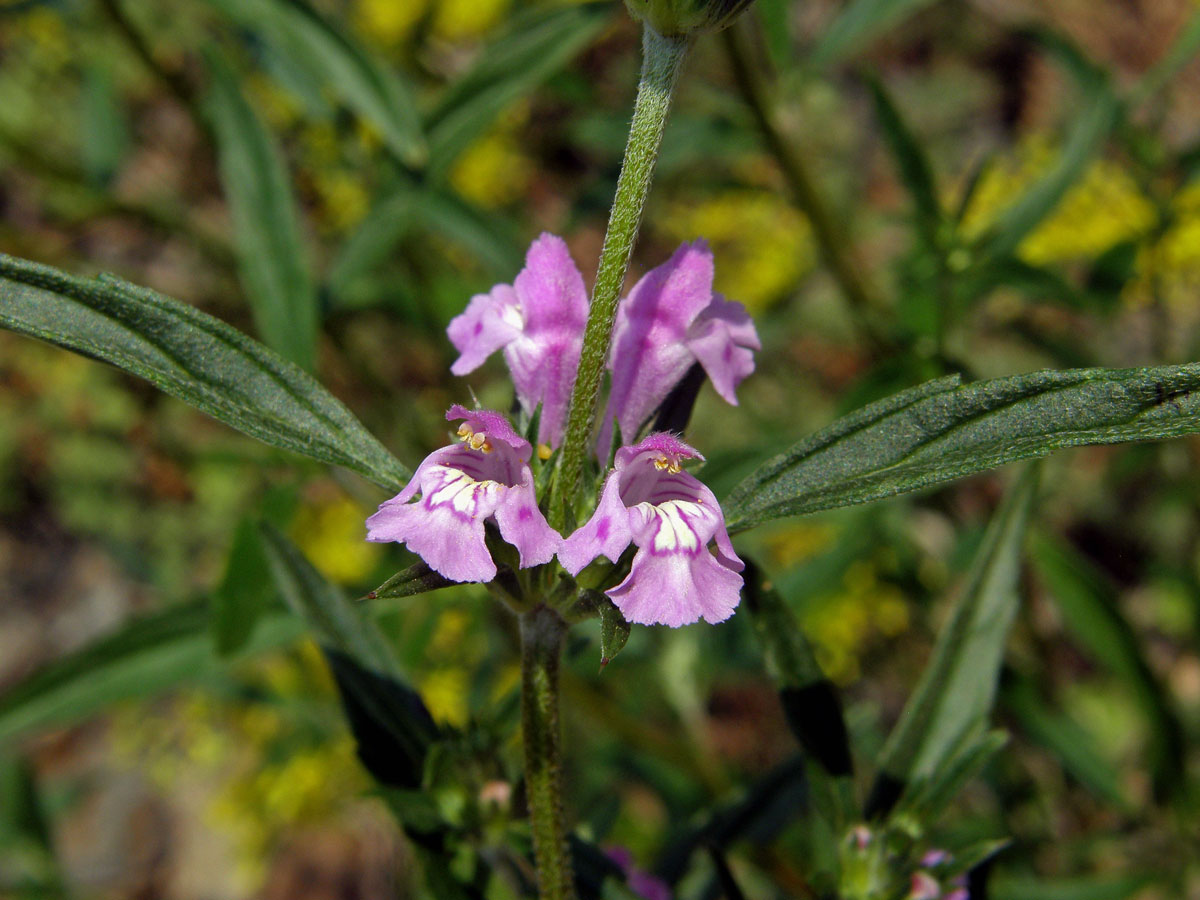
x,y
670,321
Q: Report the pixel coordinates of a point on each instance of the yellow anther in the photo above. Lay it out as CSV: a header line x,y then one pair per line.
x,y
669,465
464,431
479,441
544,452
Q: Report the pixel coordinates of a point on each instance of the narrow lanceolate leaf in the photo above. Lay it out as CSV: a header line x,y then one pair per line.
x,y
1092,614
916,171
1076,748
363,82
810,701
535,46
859,23
416,579
614,631
271,254
150,655
392,727
943,430
1099,112
241,598
194,357
954,697
374,240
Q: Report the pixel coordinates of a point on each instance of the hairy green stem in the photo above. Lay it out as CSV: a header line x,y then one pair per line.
x,y
661,61
831,237
542,632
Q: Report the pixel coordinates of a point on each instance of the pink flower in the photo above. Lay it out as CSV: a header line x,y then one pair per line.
x,y
643,884
462,486
669,321
924,887
671,517
538,321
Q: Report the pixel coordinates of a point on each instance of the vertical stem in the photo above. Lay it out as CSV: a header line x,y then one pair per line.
x,y
830,235
542,634
661,61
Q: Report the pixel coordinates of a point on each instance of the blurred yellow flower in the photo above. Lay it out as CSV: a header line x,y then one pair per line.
x,y
1169,268
796,542
842,626
456,20
1104,208
388,22
494,172
445,694
331,534
48,33
344,201
762,244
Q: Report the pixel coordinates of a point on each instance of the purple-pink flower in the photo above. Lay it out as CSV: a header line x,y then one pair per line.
x,y
671,517
487,476
641,883
668,322
538,321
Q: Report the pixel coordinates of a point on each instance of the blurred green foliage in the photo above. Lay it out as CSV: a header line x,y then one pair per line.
x,y
1009,188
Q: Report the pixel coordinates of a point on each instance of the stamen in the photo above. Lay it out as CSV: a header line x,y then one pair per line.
x,y
669,465
479,441
464,431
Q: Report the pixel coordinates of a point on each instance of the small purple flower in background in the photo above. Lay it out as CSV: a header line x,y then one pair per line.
x,y
538,321
671,517
669,321
924,887
641,883
462,486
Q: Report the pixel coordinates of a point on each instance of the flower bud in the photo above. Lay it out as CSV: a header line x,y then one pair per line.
x,y
677,18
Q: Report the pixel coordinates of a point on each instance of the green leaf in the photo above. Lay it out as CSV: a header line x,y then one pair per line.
x,y
334,620
271,254
374,240
485,236
102,125
943,430
1105,887
416,579
536,45
1074,746
194,357
1113,886
810,701
150,655
614,631
21,812
1091,612
953,699
241,598
928,798
859,23
364,83
913,164
1181,52
1099,112
392,728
